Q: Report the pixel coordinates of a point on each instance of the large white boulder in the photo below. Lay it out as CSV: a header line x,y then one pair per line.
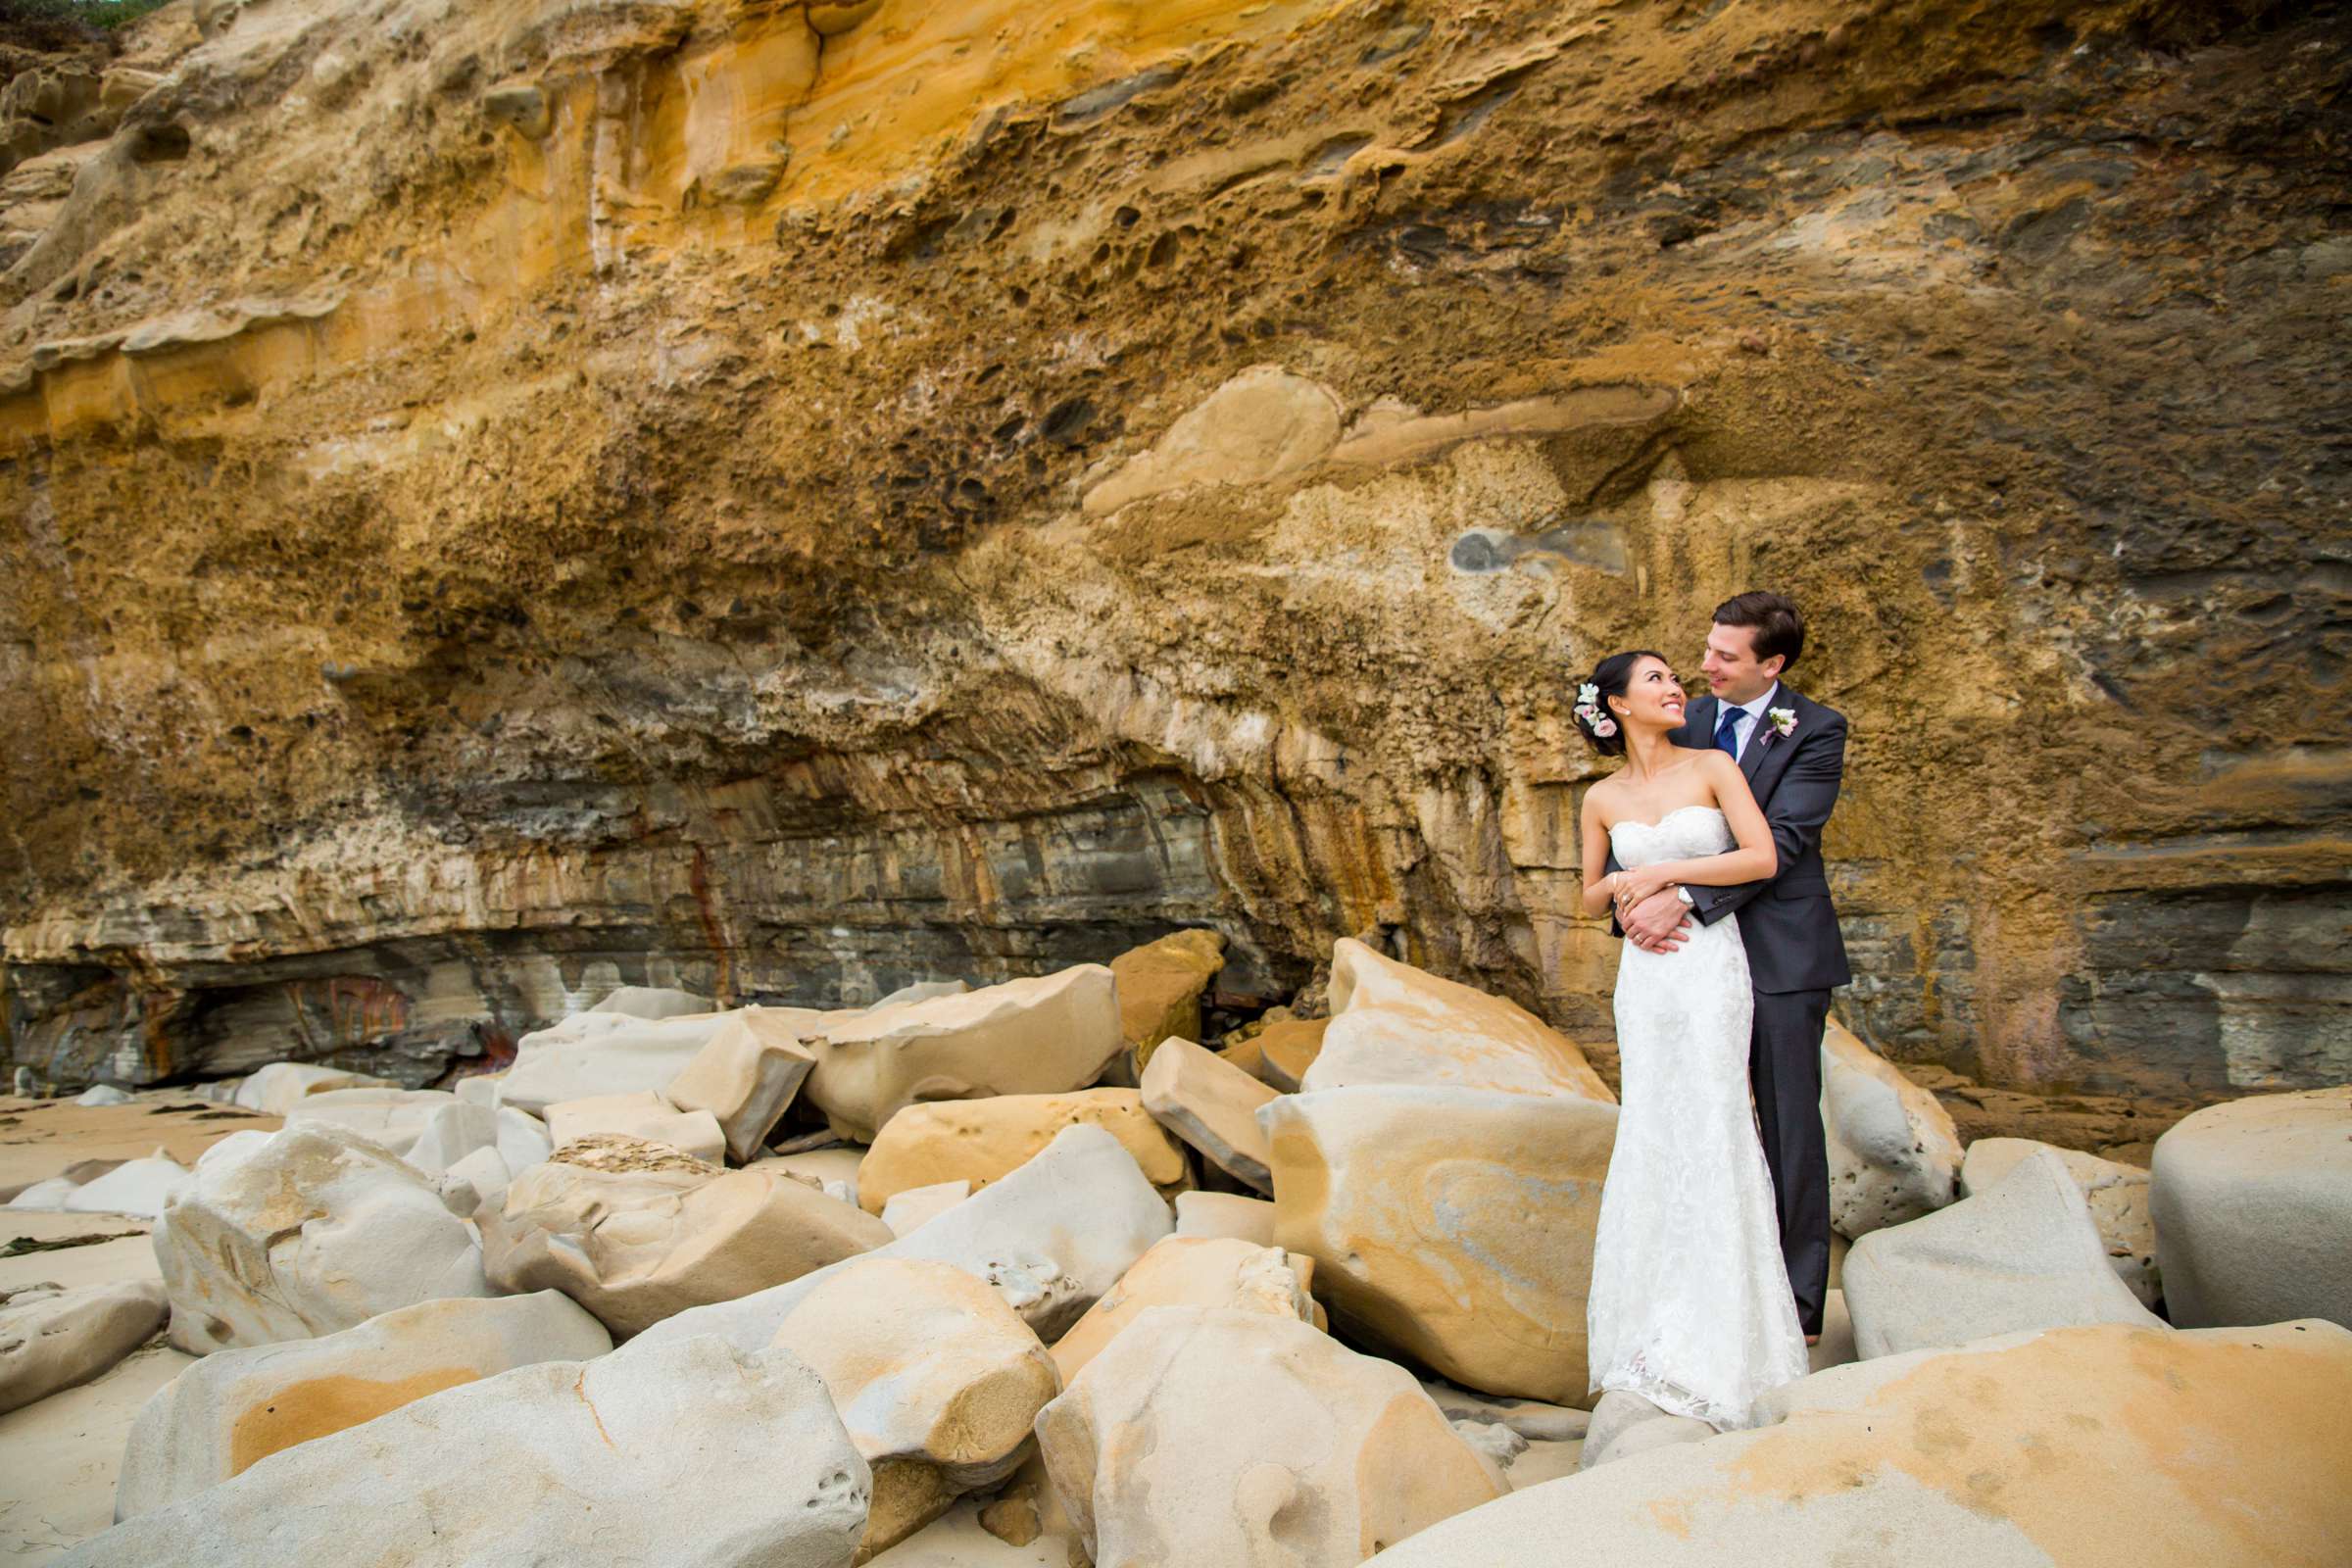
x,y
2118,1196
1453,1225
2097,1445
747,1075
592,1053
294,1234
1051,1238
2021,1255
2252,1202
1250,1440
1392,1023
981,1140
280,1086
1041,1035
229,1411
52,1339
1895,1153
141,1186
637,1232
392,1119
613,1460
935,1377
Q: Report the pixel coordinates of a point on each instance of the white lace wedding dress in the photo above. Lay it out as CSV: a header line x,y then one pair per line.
x,y
1690,1307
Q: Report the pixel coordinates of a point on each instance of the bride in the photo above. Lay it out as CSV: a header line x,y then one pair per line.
x,y
1690,1307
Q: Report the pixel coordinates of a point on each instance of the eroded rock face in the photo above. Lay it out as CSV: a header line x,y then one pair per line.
x,y
598,657
302,1232
560,1461
231,1410
636,1232
1453,1224
1249,1438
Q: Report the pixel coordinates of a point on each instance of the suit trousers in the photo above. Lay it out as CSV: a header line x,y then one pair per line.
x,y
1784,1069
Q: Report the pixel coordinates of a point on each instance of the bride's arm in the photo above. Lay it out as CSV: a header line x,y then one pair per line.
x,y
1754,861
1601,884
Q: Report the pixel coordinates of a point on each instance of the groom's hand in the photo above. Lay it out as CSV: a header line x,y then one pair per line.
x,y
1656,924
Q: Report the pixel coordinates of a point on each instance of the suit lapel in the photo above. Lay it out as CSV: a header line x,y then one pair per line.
x,y
1698,723
1765,748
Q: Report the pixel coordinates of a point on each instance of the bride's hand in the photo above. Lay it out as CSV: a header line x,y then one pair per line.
x,y
1634,885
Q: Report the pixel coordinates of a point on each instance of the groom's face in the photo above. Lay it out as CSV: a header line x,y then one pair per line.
x,y
1734,673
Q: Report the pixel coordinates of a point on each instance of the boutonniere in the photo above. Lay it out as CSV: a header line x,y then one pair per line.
x,y
1782,721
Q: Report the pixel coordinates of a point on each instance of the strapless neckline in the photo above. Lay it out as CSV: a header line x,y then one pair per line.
x,y
1668,817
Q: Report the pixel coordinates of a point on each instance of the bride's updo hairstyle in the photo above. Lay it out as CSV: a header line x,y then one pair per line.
x,y
1602,727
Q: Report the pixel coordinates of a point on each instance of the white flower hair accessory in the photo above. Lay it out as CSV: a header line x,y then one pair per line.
x,y
1784,721
1587,709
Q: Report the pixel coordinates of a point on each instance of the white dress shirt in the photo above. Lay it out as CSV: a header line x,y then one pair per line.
x,y
1752,725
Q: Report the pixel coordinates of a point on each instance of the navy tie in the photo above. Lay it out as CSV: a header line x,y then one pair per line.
x,y
1727,733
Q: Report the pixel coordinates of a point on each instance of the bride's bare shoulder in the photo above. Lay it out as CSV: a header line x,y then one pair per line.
x,y
1601,798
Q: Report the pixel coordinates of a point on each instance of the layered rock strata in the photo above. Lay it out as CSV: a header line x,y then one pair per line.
x,y
784,502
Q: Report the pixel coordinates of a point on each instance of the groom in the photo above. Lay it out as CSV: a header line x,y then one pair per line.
x,y
1793,753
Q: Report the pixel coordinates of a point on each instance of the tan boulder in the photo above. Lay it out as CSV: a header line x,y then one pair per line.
x,y
1392,1023
2252,1202
1453,1225
1895,1153
1160,985
747,1075
1249,1439
982,1139
635,1232
1049,1238
1246,1219
232,1410
52,1339
935,1377
1288,1049
914,1208
1047,1034
643,1114
2118,1196
2078,1445
1192,1271
1212,1105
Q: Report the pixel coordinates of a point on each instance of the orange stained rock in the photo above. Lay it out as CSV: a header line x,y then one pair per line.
x,y
313,1409
2082,1429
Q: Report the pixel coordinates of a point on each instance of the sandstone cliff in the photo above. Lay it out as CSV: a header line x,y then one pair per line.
x,y
790,499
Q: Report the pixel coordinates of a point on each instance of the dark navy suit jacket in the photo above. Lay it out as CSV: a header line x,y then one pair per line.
x,y
1786,921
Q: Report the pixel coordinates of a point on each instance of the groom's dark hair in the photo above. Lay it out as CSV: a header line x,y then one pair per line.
x,y
1773,623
